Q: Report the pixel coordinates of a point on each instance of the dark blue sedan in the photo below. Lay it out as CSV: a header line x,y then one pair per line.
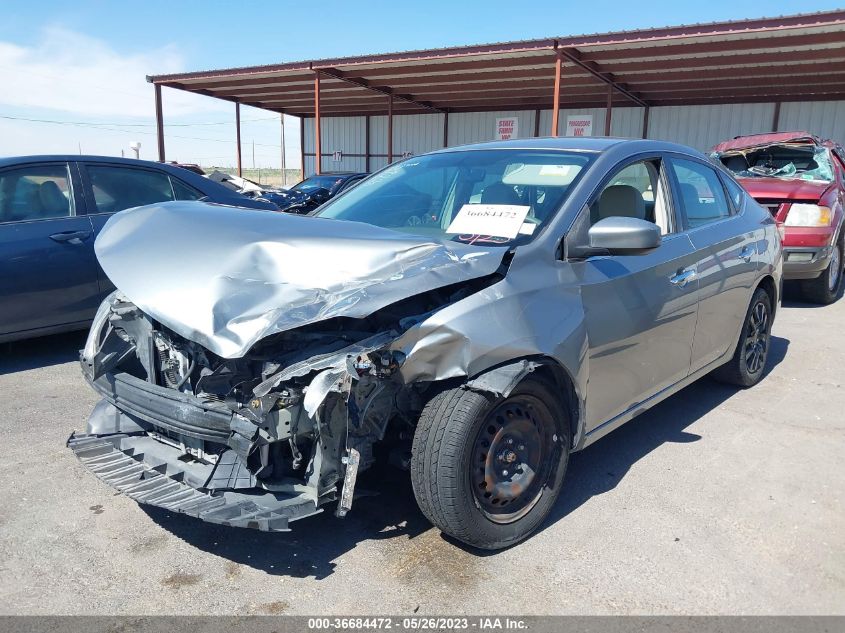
x,y
52,208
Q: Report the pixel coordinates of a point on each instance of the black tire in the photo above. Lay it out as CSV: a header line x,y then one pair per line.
x,y
825,288
748,363
452,429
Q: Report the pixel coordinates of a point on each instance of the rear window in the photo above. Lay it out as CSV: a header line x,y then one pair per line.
x,y
36,192
317,182
735,191
702,194
118,188
183,191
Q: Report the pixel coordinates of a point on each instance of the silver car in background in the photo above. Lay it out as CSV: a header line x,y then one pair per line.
x,y
482,312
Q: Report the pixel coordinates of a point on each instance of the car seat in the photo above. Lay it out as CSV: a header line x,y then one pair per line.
x,y
618,201
736,163
53,202
500,193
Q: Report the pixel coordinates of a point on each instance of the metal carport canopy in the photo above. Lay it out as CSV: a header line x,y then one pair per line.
x,y
786,58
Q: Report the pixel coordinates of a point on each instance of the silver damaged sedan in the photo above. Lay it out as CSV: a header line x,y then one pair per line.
x,y
479,312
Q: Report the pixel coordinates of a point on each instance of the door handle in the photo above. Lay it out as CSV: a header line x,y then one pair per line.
x,y
747,253
71,237
683,277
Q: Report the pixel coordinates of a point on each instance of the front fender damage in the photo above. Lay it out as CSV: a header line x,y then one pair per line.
x,y
257,441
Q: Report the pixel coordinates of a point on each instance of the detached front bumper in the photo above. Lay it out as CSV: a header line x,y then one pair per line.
x,y
137,440
137,466
805,262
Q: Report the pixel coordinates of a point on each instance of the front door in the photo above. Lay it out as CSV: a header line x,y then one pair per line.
x,y
640,310
48,272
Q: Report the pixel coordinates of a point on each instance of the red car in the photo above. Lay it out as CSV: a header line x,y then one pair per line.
x,y
800,178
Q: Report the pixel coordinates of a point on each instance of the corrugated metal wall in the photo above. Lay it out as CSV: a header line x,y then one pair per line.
x,y
338,134
623,121
474,127
698,126
703,126
825,118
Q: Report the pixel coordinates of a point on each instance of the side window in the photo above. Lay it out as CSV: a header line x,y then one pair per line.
x,y
636,191
735,191
183,191
38,192
840,161
118,188
702,195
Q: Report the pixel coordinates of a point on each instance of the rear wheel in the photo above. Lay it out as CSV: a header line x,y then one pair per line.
x,y
825,288
748,363
487,471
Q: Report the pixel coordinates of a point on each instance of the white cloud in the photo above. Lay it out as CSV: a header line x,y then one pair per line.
x,y
70,72
71,77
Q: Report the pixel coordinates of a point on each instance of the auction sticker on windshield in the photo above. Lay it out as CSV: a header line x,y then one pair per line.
x,y
498,220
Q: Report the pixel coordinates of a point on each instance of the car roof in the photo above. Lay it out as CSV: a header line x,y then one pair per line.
x,y
6,161
769,138
595,144
340,173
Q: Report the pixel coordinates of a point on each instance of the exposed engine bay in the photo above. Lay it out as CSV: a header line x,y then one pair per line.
x,y
272,435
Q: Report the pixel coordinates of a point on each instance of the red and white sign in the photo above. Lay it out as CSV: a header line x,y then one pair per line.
x,y
507,128
579,125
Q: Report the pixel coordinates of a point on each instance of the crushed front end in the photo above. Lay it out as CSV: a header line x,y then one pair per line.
x,y
257,441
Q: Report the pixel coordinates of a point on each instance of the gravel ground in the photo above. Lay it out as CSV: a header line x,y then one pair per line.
x,y
717,501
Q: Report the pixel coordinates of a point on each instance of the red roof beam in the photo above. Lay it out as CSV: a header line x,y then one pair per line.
x,y
734,45
594,69
331,72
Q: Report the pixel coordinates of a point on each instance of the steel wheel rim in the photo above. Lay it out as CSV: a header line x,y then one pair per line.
x,y
835,269
513,458
757,338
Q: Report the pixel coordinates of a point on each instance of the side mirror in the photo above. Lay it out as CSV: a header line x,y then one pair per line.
x,y
624,236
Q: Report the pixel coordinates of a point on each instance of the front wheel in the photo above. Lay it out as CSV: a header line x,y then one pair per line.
x,y
487,471
824,289
748,363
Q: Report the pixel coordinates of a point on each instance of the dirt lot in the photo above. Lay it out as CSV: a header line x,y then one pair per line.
x,y
717,501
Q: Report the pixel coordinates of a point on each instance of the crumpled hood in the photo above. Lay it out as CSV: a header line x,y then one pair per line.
x,y
227,277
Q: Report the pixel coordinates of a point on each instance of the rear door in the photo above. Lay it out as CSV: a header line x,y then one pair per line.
x,y
726,257
49,273
110,188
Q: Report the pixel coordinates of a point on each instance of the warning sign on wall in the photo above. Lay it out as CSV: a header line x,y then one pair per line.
x,y
507,128
579,125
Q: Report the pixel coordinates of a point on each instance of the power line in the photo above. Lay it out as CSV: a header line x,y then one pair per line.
x,y
113,123
102,127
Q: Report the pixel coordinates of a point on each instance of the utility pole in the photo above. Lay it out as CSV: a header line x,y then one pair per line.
x,y
284,173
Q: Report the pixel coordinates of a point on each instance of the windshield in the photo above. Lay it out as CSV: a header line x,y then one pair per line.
x,y
488,196
317,182
788,160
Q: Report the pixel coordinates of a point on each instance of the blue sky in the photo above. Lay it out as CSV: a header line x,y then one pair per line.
x,y
85,62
